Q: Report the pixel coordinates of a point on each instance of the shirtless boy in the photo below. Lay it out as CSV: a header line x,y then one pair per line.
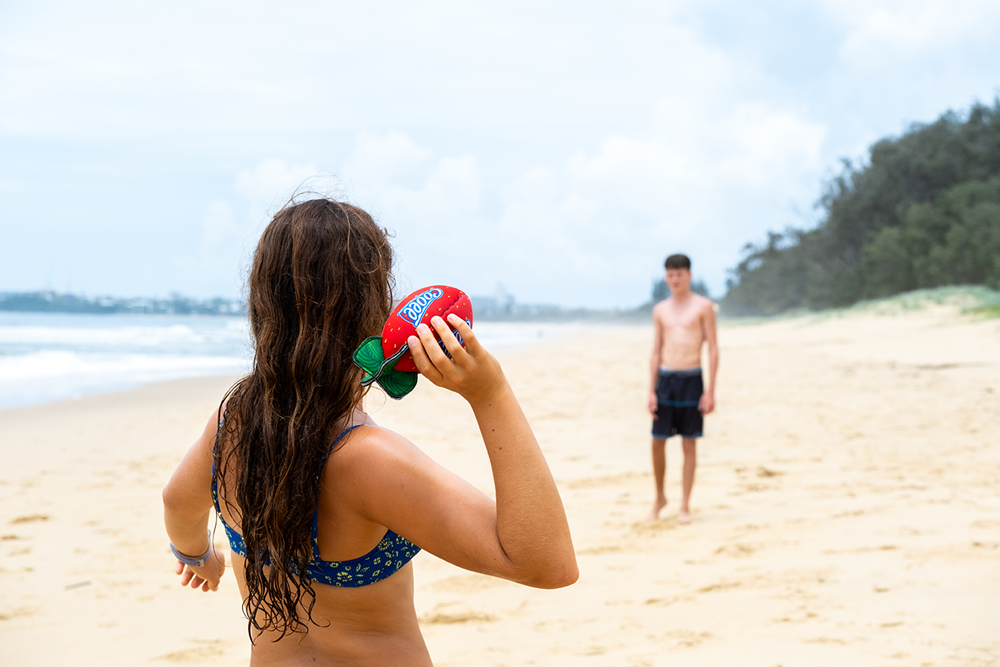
x,y
678,401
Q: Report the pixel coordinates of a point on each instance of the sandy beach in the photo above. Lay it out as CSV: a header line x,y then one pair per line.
x,y
846,511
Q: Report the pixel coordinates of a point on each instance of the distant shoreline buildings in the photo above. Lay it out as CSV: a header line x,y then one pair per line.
x,y
54,302
485,308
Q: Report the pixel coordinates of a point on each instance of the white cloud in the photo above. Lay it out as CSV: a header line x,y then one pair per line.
x,y
452,190
883,33
269,185
768,148
594,229
601,234
591,230
381,159
560,149
229,227
431,203
219,227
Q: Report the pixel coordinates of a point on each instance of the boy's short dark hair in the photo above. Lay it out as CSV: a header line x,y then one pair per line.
x,y
678,262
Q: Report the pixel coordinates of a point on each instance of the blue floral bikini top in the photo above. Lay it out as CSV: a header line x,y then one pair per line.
x,y
388,556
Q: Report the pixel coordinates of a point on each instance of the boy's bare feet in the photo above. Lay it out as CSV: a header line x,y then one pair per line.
x,y
657,508
684,517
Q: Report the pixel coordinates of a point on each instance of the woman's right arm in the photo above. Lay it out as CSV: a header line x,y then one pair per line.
x,y
522,536
187,508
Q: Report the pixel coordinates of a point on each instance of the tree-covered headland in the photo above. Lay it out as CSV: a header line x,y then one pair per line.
x,y
923,212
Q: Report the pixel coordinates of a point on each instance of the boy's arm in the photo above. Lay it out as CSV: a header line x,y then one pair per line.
x,y
654,363
707,402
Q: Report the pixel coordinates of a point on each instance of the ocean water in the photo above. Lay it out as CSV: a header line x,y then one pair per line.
x,y
53,356
47,357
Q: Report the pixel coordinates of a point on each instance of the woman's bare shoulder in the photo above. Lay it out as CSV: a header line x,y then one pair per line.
x,y
376,467
370,444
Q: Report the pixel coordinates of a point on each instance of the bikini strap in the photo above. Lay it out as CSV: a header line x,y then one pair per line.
x,y
337,439
215,448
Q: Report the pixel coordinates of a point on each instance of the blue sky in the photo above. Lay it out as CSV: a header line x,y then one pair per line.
x,y
559,150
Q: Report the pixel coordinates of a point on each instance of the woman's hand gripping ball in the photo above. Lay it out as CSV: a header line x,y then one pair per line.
x,y
471,372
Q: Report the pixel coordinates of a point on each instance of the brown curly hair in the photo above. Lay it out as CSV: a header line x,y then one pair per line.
x,y
321,282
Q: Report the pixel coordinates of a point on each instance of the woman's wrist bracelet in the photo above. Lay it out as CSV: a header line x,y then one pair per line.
x,y
191,561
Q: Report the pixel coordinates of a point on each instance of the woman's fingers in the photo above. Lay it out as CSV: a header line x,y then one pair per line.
x,y
422,361
206,583
429,354
431,346
447,337
448,361
472,345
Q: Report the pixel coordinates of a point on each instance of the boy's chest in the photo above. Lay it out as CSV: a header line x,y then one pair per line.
x,y
680,320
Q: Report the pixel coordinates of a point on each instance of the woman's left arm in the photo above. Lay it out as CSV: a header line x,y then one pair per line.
x,y
187,506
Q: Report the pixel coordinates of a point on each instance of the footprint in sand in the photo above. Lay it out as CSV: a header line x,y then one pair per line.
x,y
469,583
721,586
662,602
16,613
210,649
449,619
736,550
192,655
596,551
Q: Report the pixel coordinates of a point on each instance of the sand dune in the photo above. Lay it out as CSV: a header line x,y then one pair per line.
x,y
846,511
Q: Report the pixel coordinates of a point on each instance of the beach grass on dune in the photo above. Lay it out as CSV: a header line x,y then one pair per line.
x,y
971,300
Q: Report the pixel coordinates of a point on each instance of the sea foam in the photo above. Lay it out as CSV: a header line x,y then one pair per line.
x,y
53,356
46,357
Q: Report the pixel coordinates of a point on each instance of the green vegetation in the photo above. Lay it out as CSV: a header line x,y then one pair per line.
x,y
924,212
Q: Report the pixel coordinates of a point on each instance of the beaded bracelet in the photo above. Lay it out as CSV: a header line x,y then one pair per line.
x,y
193,562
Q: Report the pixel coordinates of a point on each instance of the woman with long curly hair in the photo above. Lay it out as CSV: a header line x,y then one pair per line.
x,y
324,509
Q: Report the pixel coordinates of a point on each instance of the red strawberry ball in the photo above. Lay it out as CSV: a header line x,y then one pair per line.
x,y
421,306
